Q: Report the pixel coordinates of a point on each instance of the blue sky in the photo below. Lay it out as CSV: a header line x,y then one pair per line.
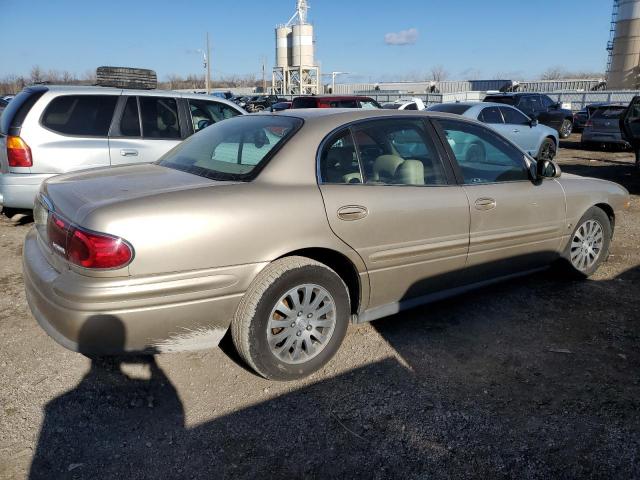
x,y
470,38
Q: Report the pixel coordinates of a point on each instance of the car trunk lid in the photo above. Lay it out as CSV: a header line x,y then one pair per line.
x,y
74,195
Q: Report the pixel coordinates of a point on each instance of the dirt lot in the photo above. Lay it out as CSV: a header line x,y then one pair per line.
x,y
537,378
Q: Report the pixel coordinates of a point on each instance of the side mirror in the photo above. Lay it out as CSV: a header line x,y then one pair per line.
x,y
548,169
533,122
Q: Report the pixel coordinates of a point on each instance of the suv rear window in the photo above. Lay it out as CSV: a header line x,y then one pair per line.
x,y
608,112
304,102
17,109
507,99
87,115
234,149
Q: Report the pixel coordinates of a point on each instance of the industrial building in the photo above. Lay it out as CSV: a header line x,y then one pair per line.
x,y
296,72
623,67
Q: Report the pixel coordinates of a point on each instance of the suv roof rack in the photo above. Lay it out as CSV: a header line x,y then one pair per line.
x,y
126,77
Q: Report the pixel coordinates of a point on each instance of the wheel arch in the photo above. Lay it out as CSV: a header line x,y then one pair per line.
x,y
608,209
339,263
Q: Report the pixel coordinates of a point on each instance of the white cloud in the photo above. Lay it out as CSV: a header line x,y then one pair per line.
x,y
403,37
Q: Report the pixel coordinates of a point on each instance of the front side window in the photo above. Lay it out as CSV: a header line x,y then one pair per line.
x,y
233,149
86,115
338,161
159,117
398,152
205,113
491,115
483,156
513,116
411,106
547,102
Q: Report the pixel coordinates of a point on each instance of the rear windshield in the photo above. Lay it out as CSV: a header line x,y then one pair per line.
x,y
456,108
501,99
234,149
17,109
608,112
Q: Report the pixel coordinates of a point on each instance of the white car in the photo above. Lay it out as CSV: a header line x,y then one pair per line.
x,y
406,104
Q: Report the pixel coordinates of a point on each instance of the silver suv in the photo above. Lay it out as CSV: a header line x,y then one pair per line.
x,y
48,130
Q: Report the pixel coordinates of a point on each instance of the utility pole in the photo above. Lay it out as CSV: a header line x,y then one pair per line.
x,y
264,80
208,66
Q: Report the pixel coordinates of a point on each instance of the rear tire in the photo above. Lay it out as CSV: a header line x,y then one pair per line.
x,y
566,128
292,319
588,245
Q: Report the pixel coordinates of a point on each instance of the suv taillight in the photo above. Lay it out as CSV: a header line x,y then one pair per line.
x,y
18,152
87,249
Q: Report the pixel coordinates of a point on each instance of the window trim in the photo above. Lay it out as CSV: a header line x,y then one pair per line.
x,y
454,162
73,135
445,161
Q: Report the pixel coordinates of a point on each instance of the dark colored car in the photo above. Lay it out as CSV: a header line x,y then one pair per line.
x,y
581,116
335,101
539,106
3,104
630,127
603,126
278,107
261,102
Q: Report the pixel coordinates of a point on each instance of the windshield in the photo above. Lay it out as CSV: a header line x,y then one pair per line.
x,y
456,108
232,149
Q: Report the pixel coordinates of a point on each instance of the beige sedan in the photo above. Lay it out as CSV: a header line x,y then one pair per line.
x,y
285,227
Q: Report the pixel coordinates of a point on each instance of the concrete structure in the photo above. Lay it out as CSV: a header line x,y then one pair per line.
x,y
624,70
296,72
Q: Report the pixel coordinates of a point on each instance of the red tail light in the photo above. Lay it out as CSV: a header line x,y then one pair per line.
x,y
87,249
18,152
589,123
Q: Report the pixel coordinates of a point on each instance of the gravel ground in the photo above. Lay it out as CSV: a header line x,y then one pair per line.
x,y
536,378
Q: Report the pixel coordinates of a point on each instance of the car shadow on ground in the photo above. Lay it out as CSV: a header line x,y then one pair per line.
x,y
501,383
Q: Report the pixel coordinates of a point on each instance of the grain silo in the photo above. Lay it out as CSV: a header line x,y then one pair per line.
x,y
624,64
295,71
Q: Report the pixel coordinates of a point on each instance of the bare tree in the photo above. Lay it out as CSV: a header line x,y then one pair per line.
x,y
36,74
438,73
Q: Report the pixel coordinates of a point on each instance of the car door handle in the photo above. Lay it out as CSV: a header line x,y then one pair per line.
x,y
515,130
352,212
485,204
129,152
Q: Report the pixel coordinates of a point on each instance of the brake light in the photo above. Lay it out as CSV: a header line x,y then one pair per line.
x,y
87,249
18,152
589,123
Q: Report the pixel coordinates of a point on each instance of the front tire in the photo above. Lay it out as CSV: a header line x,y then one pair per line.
x,y
292,319
566,128
547,150
588,245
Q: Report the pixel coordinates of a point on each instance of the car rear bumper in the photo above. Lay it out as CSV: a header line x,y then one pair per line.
x,y
110,316
19,190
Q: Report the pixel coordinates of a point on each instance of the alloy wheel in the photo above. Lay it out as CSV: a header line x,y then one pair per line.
x,y
586,245
301,323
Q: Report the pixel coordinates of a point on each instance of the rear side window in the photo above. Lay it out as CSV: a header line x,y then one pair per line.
x,y
509,100
130,121
16,111
86,115
608,112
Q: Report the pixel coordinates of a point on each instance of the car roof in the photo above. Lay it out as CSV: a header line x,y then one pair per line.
x,y
97,90
343,115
